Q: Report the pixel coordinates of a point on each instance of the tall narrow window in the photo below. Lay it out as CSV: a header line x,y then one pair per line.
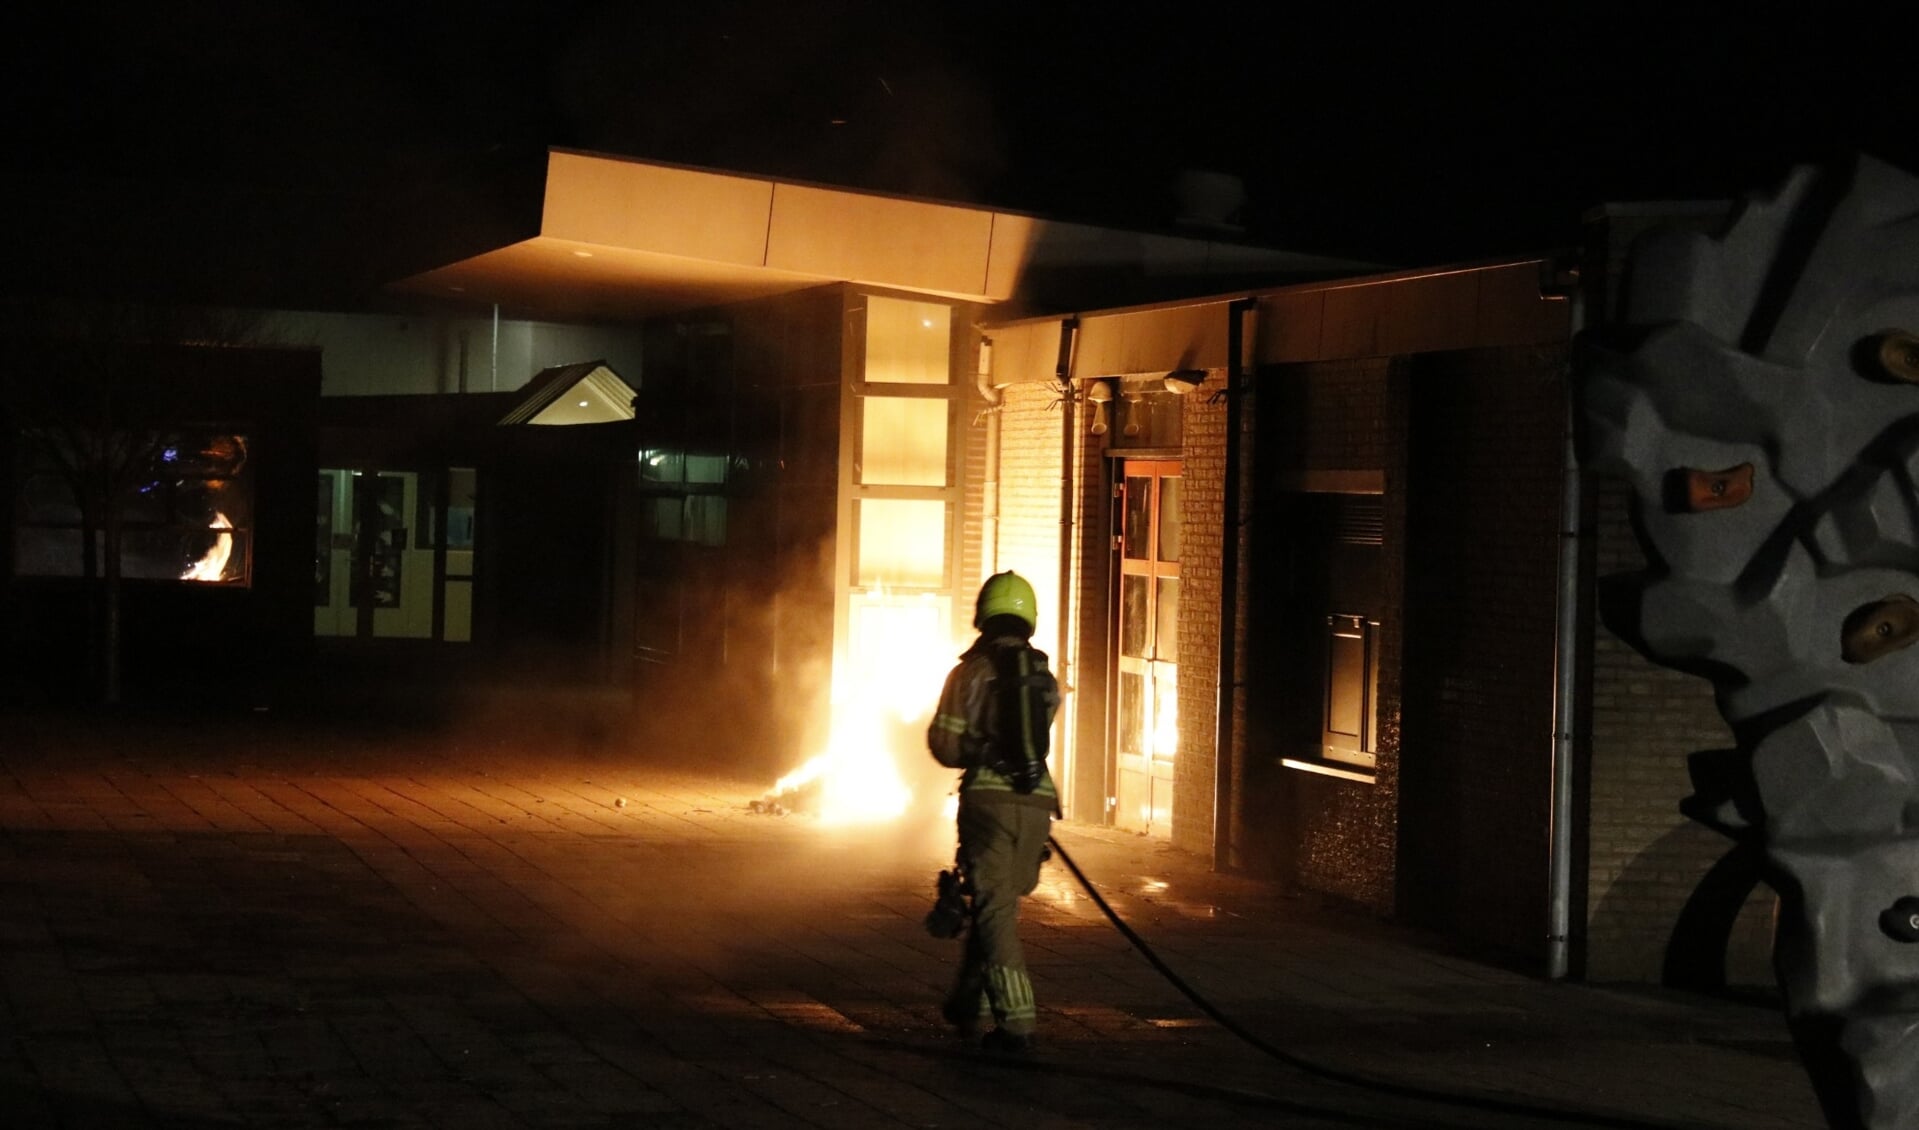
x,y
908,342
902,543
902,441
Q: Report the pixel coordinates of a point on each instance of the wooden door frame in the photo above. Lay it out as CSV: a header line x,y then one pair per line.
x,y
1158,469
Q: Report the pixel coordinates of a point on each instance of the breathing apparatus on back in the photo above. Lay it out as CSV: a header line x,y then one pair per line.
x,y
1021,717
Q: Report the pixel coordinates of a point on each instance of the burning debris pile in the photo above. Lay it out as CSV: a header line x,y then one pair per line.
x,y
853,782
882,700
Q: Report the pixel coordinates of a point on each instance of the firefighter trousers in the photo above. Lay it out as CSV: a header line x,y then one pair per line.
x,y
1000,845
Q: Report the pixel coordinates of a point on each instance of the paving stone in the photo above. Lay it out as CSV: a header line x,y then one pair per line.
x,y
331,928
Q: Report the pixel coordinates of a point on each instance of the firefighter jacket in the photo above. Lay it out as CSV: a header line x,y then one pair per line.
x,y
995,713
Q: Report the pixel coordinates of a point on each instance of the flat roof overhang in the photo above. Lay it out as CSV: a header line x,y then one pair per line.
x,y
622,240
1464,306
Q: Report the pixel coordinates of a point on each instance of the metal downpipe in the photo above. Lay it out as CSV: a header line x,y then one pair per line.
x,y
1068,547
1565,689
1233,531
989,504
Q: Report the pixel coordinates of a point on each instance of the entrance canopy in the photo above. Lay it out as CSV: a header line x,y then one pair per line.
x,y
622,239
588,392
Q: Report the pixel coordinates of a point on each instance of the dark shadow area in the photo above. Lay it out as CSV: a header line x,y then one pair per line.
x,y
1696,949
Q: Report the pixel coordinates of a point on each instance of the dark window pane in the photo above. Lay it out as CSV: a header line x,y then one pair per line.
x,y
46,499
660,466
662,518
323,543
706,519
149,504
206,502
42,551
1135,630
1144,419
1345,683
463,497
706,468
1169,521
1132,712
1166,631
1139,511
214,456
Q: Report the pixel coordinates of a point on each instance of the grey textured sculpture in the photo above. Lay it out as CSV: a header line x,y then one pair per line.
x,y
1760,392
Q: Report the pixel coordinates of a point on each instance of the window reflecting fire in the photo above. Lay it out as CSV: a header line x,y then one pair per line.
x,y
212,566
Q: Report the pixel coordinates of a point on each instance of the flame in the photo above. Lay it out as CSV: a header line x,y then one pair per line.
x,y
213,565
857,779
1165,721
898,651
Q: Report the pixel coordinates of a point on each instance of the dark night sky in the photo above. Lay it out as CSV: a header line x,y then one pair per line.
x,y
1459,133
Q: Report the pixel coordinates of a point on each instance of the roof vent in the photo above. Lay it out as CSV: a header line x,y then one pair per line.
x,y
1210,201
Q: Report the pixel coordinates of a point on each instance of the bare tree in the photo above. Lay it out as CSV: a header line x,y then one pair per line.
x,y
90,403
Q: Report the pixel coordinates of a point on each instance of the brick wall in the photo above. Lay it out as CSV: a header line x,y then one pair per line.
x,y
1031,524
1333,836
1646,859
1483,487
1329,415
1202,532
1029,499
1086,678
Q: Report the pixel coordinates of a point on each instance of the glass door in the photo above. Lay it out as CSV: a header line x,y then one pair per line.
x,y
1147,726
374,566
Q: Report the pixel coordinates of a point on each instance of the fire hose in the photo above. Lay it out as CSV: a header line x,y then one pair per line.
x,y
1333,1074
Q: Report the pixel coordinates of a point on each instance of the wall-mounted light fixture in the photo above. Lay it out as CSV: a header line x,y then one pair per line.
x,y
1099,395
1184,380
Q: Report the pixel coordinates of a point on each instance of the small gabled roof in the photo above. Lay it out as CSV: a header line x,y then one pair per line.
x,y
585,392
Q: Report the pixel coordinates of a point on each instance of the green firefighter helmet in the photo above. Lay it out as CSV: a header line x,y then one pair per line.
x,y
1006,594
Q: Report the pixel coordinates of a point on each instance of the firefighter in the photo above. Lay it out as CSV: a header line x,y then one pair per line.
x,y
995,714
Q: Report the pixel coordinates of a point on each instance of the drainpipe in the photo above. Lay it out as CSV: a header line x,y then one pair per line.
x,y
495,385
989,519
1237,313
1068,525
1565,687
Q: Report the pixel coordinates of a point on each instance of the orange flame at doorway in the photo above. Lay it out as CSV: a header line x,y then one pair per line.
x,y
212,566
897,654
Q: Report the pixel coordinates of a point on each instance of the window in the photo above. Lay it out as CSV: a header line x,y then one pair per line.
x,y
686,500
908,342
462,505
1146,418
903,441
1352,688
188,517
902,543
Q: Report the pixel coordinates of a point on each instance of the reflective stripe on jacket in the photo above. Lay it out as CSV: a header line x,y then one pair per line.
x,y
964,734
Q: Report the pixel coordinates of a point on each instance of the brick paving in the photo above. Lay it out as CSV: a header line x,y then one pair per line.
x,y
260,921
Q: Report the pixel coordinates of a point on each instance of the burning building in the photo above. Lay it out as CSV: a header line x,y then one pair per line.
x,y
1312,562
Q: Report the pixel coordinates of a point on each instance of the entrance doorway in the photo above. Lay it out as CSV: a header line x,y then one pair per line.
x,y
393,554
1146,726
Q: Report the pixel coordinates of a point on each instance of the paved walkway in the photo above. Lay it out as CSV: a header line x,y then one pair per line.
x,y
256,922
